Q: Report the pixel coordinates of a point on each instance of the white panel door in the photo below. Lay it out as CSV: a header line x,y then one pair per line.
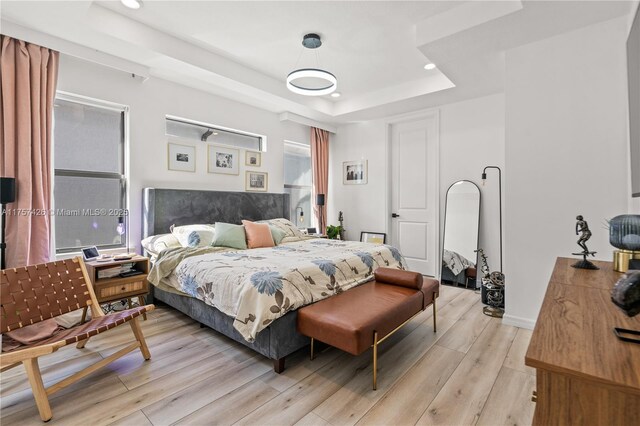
x,y
414,193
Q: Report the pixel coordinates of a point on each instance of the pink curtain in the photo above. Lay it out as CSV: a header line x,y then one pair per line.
x,y
28,76
320,168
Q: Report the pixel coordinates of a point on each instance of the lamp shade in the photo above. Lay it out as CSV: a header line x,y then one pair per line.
x,y
624,232
320,200
7,190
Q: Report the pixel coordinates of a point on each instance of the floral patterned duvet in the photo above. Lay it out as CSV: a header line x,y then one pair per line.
x,y
258,286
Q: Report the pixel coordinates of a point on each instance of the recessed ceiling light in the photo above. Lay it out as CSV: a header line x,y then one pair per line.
x,y
335,95
430,67
132,4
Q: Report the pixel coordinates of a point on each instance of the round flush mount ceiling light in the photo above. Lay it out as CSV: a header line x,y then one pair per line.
x,y
132,4
311,81
430,67
335,95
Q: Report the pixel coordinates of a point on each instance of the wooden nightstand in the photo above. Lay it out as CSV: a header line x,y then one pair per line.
x,y
117,288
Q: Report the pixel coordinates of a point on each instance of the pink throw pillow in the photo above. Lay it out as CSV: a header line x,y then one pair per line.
x,y
258,234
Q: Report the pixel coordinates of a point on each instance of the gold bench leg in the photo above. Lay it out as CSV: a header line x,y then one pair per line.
x,y
434,312
375,360
312,349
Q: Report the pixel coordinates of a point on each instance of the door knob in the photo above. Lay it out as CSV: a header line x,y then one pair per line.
x,y
395,215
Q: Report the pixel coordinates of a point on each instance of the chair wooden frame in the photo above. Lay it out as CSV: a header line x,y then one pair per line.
x,y
27,295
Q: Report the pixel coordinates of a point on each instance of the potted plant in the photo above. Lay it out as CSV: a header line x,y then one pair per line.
x,y
334,232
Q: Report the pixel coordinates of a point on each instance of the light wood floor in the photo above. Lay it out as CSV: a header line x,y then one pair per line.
x,y
471,372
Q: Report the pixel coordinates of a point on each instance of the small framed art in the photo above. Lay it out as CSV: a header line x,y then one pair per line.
x,y
222,159
354,172
256,181
253,159
373,237
181,157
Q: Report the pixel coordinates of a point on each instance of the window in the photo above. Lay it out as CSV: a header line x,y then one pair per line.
x,y
195,131
89,193
298,181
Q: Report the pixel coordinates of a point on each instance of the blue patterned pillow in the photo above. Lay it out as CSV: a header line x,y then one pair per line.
x,y
194,235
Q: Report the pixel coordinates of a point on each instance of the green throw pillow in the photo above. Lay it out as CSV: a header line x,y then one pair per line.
x,y
229,235
277,234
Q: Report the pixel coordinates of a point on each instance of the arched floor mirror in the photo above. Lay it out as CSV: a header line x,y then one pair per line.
x,y
461,232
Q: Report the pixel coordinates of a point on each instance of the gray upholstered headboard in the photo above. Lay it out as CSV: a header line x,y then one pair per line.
x,y
162,208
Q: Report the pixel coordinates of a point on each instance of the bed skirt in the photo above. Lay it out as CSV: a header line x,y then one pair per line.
x,y
278,340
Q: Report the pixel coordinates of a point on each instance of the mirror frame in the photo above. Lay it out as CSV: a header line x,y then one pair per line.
x,y
444,222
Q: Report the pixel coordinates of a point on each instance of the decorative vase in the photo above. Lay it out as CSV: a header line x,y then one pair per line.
x,y
624,234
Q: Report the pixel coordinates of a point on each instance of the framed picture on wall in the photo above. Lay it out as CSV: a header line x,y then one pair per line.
x,y
256,181
181,158
222,159
253,159
373,237
354,172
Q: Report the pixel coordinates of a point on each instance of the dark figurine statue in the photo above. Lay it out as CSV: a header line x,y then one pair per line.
x,y
582,229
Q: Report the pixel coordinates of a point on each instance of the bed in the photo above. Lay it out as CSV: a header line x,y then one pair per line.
x,y
251,296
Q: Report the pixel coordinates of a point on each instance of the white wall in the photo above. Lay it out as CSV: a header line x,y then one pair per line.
x,y
150,102
566,154
471,137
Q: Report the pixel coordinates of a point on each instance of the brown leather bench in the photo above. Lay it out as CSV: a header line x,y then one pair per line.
x,y
364,316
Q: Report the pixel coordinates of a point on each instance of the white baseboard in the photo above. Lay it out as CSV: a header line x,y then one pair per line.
x,y
527,323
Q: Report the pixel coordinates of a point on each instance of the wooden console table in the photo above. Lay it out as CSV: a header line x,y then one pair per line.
x,y
585,374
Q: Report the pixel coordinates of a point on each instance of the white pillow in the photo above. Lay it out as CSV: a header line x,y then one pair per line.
x,y
194,235
156,243
285,225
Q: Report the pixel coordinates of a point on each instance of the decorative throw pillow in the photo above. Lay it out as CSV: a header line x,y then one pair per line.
x,y
296,239
285,225
156,243
277,234
229,235
194,235
258,234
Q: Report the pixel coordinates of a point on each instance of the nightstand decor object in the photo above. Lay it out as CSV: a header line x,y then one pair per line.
x,y
624,234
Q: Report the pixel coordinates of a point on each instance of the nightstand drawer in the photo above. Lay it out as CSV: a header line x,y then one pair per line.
x,y
121,289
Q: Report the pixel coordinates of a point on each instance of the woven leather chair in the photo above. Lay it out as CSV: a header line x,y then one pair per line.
x,y
35,293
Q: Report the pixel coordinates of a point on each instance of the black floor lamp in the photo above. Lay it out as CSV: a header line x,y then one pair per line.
x,y
320,204
7,195
493,285
484,178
